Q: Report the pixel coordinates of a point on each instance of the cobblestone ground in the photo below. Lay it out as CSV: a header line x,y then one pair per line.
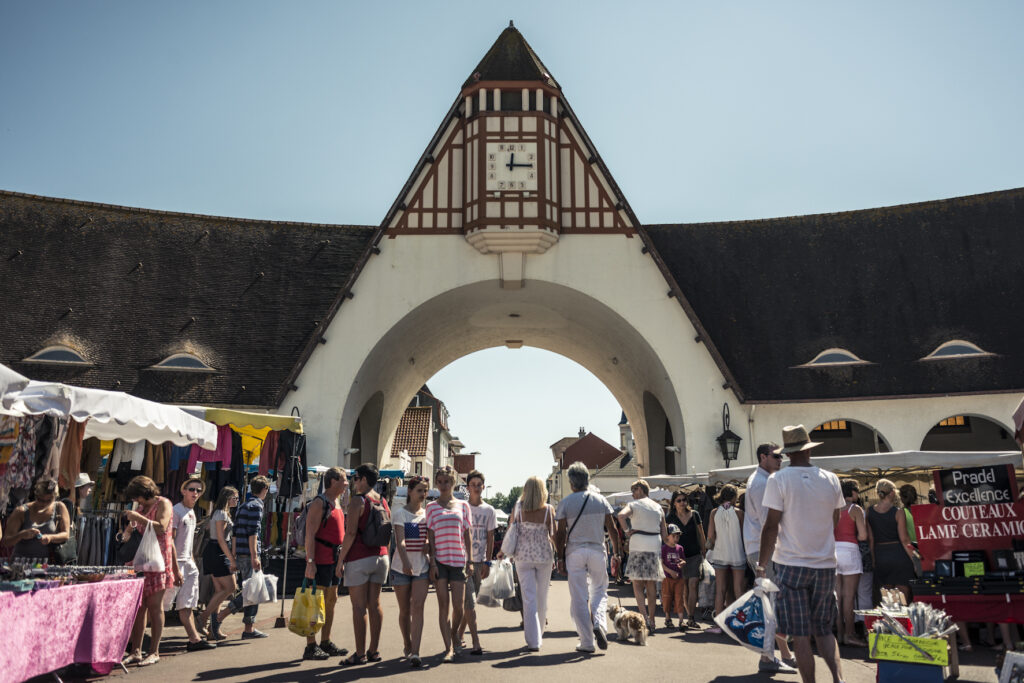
x,y
669,656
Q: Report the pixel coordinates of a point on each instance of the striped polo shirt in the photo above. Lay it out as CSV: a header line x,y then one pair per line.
x,y
448,526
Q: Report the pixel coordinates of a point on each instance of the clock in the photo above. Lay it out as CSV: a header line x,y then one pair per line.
x,y
511,166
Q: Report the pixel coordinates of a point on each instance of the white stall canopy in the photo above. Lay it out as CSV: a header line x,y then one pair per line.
x,y
10,381
111,414
882,464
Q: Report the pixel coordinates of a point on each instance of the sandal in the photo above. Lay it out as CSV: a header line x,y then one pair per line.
x,y
476,651
373,656
354,660
150,660
133,658
415,662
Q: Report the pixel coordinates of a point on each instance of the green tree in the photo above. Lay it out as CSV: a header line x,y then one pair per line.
x,y
511,498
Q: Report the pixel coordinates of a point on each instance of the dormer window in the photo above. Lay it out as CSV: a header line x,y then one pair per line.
x,y
58,355
957,348
833,358
182,362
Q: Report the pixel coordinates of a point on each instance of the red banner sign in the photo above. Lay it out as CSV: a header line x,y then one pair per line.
x,y
943,529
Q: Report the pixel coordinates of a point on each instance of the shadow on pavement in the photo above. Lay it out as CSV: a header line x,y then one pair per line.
x,y
253,671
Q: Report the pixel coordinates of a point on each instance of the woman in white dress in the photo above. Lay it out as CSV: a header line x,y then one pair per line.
x,y
725,541
647,533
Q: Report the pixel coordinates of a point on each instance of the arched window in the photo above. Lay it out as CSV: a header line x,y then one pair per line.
x,y
58,355
182,362
834,357
957,348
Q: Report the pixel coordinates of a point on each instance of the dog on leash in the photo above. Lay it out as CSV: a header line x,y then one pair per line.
x,y
628,624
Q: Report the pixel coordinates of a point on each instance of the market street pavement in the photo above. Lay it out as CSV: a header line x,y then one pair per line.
x,y
669,656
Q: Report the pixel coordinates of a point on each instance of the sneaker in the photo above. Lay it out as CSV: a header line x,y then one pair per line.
x,y
215,633
715,630
601,637
775,667
249,635
584,650
789,661
314,652
333,650
200,645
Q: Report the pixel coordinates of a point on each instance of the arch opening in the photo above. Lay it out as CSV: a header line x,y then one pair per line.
x,y
968,432
541,315
842,436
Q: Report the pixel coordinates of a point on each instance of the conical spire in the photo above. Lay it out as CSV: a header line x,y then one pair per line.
x,y
510,59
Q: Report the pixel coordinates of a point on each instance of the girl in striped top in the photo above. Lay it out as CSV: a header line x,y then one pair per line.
x,y
410,574
449,522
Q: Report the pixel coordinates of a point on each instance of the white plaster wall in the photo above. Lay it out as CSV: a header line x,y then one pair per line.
x,y
599,281
903,422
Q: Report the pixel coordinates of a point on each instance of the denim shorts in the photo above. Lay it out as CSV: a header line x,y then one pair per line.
x,y
400,579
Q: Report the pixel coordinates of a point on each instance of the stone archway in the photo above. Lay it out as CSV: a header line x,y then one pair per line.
x,y
544,315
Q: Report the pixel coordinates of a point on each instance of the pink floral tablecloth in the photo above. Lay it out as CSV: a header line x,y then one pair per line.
x,y
88,623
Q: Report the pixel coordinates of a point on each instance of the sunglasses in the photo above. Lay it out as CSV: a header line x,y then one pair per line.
x,y
194,490
777,456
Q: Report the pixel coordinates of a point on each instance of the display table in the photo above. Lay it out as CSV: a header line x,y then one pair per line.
x,y
1000,609
87,623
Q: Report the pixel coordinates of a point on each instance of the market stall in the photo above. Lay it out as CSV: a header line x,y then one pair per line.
x,y
92,608
43,428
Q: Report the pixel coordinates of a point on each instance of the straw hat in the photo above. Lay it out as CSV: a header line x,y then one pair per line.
x,y
796,439
83,480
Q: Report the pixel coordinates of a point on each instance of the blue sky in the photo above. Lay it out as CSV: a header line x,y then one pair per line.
x,y
317,111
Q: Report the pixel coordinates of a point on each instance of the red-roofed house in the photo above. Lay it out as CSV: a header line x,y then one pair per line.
x,y
591,450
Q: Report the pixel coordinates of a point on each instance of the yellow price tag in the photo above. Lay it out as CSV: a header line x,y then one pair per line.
x,y
974,569
894,648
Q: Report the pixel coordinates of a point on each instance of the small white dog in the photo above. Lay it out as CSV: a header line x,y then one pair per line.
x,y
628,624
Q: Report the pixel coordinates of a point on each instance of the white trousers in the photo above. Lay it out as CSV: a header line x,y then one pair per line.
x,y
534,581
588,592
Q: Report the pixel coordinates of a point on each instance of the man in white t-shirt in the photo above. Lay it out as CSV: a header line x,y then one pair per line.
x,y
803,503
768,462
184,532
485,521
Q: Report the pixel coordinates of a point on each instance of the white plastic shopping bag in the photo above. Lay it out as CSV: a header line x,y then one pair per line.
x,y
271,585
254,590
503,584
149,558
750,621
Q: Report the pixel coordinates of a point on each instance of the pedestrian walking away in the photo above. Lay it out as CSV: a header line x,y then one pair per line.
x,y
534,557
850,531
803,503
485,521
184,528
582,518
725,547
325,533
890,542
219,562
646,535
754,513
363,562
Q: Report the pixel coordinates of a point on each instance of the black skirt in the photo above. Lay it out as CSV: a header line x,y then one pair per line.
x,y
892,565
214,561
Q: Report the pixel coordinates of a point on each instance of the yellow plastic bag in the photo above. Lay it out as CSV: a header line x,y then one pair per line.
x,y
307,610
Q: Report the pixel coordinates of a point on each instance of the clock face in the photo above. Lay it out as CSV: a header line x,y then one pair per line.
x,y
511,166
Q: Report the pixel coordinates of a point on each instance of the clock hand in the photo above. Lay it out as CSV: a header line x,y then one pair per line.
x,y
511,161
520,166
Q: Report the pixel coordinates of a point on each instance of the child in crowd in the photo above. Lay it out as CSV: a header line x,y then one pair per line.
x,y
673,584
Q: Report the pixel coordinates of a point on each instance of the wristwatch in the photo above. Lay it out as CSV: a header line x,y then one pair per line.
x,y
309,560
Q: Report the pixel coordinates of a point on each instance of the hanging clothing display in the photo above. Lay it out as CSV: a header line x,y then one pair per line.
x,y
221,455
21,467
293,469
268,454
70,453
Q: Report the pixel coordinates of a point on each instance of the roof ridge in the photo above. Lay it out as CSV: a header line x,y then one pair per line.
x,y
180,214
830,214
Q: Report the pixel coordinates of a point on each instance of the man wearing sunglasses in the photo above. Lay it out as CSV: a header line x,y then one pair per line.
x,y
768,462
188,573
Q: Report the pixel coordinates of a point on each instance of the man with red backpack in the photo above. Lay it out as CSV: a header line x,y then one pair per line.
x,y
363,561
324,535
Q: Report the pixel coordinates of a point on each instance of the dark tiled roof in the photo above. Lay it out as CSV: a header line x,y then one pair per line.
x,y
129,287
413,433
592,451
510,59
888,284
